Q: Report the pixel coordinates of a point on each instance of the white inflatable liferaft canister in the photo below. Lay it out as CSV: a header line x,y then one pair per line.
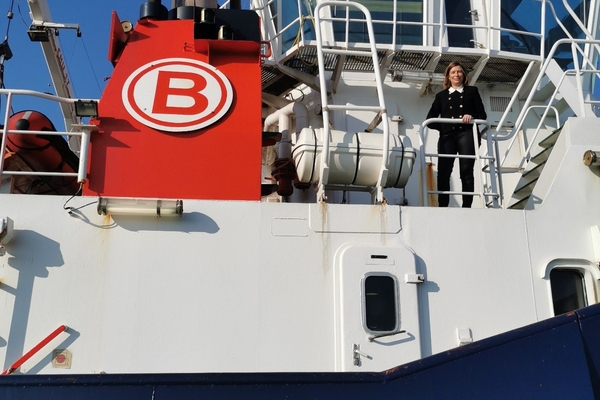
x,y
355,158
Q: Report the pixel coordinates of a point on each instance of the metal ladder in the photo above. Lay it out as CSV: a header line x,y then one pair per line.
x,y
380,110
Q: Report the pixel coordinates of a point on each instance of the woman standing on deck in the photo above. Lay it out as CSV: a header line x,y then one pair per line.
x,y
457,101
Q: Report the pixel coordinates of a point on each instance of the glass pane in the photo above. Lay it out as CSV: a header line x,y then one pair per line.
x,y
382,15
521,15
457,13
568,292
555,32
525,15
380,303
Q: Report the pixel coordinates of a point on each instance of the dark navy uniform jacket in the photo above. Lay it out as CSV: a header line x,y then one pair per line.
x,y
455,105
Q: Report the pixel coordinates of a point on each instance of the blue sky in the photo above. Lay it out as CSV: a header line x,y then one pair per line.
x,y
86,56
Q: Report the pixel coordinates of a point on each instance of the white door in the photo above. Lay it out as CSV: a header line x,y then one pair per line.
x,y
377,312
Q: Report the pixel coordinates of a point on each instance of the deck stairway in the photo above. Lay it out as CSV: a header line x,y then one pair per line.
x,y
532,172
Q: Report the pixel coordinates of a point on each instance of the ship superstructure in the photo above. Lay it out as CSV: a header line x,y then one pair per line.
x,y
255,190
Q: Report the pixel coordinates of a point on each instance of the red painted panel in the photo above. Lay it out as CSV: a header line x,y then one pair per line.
x,y
129,158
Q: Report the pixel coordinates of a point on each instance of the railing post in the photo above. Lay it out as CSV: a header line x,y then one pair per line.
x,y
86,133
578,78
492,168
423,164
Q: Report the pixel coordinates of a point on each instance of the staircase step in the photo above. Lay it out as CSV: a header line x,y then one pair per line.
x,y
551,139
532,172
520,204
542,156
528,185
535,171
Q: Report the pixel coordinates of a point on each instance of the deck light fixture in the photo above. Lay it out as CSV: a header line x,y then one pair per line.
x,y
41,32
86,108
38,34
159,208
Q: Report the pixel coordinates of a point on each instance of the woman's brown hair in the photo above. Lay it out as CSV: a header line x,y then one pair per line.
x,y
453,64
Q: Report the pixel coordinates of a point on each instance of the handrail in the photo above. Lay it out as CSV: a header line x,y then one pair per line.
x,y
84,131
537,82
576,19
550,55
41,95
478,157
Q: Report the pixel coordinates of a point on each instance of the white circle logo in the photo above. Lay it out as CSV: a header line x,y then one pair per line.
x,y
177,94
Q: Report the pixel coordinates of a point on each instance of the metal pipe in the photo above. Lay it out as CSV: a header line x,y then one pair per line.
x,y
281,118
283,169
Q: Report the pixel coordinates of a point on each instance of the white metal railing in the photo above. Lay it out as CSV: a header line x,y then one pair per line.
x,y
490,161
577,72
590,43
433,23
79,130
588,49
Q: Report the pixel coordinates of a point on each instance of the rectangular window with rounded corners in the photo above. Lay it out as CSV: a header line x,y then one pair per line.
x,y
408,20
381,305
568,290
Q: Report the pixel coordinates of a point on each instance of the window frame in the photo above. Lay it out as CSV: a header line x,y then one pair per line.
x,y
590,276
